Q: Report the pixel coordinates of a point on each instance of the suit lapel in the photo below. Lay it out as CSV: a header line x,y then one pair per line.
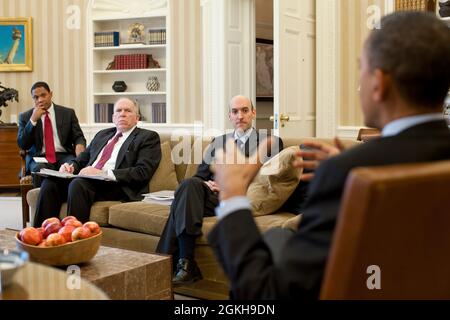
x,y
39,137
59,122
108,136
123,150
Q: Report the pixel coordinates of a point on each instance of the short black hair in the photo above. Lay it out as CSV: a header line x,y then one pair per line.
x,y
414,49
40,84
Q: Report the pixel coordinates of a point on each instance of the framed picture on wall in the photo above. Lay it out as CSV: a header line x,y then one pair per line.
x,y
16,44
264,69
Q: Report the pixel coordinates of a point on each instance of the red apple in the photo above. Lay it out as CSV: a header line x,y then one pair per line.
x,y
53,227
41,230
80,233
55,239
73,222
31,236
63,221
43,244
66,232
93,226
49,220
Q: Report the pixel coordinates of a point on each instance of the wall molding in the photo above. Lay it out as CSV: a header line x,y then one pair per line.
x,y
327,67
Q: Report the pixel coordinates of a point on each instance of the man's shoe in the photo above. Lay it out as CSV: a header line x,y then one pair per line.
x,y
187,272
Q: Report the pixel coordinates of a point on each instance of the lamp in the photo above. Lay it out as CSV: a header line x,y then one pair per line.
x,y
7,94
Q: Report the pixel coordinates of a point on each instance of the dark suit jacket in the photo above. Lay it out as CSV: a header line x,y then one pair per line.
x,y
246,258
250,147
30,138
136,163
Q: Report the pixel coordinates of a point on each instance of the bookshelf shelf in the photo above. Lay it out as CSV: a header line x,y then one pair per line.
x,y
112,94
134,63
131,47
129,71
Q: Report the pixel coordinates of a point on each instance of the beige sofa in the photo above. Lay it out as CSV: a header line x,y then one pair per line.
x,y
138,225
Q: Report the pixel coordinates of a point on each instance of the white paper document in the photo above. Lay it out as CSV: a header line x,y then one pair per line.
x,y
164,197
65,175
40,160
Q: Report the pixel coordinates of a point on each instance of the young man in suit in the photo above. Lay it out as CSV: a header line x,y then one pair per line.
x,y
197,197
49,130
126,155
404,77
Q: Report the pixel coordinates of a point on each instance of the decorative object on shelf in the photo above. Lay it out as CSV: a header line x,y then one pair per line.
x,y
153,84
119,86
16,44
136,33
7,94
152,63
111,65
444,8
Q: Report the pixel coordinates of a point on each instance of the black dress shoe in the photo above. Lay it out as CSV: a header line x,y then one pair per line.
x,y
187,272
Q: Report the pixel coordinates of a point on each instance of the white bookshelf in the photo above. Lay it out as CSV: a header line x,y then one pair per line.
x,y
111,15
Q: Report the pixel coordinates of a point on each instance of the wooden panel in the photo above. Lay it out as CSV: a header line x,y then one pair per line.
x,y
9,156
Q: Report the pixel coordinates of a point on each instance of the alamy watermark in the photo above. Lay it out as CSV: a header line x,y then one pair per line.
x,y
374,280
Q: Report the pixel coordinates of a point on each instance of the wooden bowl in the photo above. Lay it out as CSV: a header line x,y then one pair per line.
x,y
67,254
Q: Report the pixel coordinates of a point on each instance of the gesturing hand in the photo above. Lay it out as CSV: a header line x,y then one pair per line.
x,y
318,152
233,172
213,186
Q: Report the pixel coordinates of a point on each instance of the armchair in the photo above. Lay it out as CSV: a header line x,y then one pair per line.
x,y
394,217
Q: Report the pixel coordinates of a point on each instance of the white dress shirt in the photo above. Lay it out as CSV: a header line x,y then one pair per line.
x,y
111,163
58,145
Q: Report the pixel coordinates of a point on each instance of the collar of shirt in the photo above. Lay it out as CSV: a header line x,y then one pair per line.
x,y
125,134
395,127
244,137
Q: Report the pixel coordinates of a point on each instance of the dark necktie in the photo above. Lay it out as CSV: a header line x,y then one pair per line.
x,y
50,154
107,151
240,144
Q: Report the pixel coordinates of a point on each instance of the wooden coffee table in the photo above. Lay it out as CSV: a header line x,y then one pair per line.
x,y
121,274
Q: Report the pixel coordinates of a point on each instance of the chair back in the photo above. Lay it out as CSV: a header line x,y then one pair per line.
x,y
392,238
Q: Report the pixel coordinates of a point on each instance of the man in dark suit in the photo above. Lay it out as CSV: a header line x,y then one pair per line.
x,y
59,141
126,155
404,77
197,197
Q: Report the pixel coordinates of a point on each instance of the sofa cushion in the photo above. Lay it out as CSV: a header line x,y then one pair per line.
x,y
275,183
165,177
145,217
99,212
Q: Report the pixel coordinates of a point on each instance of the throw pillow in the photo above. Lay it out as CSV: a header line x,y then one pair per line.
x,y
275,183
165,177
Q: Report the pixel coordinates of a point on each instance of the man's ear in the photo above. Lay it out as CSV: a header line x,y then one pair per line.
x,y
381,82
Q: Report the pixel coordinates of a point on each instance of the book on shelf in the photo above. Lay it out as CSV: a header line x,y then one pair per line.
x,y
106,39
131,61
103,112
159,112
415,5
156,36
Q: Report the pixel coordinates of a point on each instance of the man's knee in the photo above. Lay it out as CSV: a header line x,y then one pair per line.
x,y
49,185
77,186
190,183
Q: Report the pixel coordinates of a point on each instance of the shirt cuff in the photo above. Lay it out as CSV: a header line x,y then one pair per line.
x,y
33,123
111,175
231,205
